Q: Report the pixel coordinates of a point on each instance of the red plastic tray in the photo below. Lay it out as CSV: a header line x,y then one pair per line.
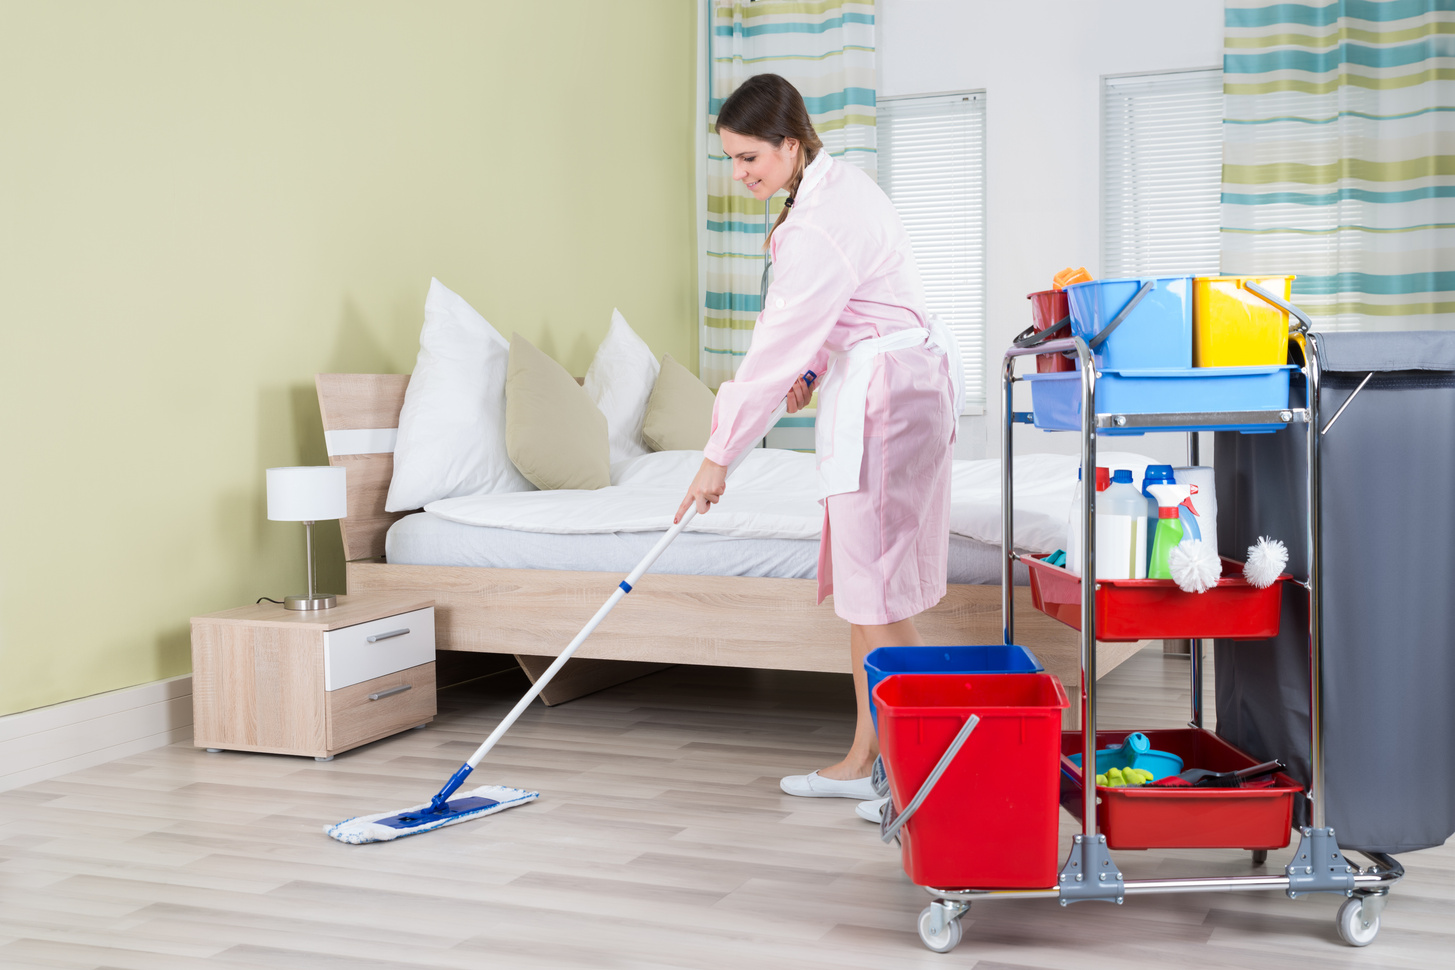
x,y
1259,816
992,820
1155,609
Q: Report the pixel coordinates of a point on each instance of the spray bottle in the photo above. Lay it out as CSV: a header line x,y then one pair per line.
x,y
1176,519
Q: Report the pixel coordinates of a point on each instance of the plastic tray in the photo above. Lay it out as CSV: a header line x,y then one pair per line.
x,y
996,658
1259,816
1155,609
1156,333
1056,398
992,820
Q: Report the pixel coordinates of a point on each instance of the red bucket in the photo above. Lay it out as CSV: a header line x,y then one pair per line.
x,y
991,821
1048,308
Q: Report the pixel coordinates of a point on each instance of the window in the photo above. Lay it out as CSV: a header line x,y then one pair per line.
x,y
932,166
1162,158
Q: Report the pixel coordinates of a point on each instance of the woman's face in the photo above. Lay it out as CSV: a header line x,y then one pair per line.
x,y
762,168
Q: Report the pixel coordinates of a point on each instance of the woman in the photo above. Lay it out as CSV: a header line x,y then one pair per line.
x,y
846,302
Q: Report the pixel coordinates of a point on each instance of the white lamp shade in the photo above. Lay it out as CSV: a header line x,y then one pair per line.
x,y
307,493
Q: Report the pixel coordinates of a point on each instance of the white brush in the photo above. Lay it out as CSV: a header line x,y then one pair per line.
x,y
1266,559
1194,566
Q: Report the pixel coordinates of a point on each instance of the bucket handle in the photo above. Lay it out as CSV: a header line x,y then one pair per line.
x,y
1122,314
1031,337
890,823
1304,324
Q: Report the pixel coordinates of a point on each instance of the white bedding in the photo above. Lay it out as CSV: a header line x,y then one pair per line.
x,y
428,540
771,496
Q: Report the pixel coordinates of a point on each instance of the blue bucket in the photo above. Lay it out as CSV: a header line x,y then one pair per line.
x,y
1156,332
996,658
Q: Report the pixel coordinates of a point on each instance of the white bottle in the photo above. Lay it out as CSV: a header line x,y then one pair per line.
x,y
1073,523
1204,497
1122,542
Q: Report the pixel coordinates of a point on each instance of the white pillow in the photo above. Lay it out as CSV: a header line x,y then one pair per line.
x,y
619,381
452,426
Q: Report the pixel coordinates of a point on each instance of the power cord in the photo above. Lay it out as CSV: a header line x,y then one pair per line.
x,y
269,599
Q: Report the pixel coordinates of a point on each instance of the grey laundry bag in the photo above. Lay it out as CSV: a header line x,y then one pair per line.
x,y
1388,535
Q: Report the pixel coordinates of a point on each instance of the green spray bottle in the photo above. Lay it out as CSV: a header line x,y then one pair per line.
x,y
1170,501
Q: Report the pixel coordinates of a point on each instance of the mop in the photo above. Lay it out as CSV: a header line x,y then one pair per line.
x,y
441,810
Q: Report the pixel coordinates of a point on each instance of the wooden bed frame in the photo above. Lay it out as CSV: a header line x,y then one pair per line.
x,y
716,620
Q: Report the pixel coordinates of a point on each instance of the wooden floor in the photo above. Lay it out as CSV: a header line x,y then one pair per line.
x,y
660,840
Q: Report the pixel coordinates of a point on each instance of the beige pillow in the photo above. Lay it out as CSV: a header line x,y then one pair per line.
x,y
553,433
679,412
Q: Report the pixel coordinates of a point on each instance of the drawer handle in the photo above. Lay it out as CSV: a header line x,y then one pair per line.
x,y
390,692
387,636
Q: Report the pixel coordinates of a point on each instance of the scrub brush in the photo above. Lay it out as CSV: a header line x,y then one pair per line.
x,y
1194,566
1266,559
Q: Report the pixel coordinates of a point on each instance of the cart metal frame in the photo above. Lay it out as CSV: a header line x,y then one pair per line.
x,y
1317,865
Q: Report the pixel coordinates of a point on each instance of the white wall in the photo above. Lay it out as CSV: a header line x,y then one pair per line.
x,y
1040,63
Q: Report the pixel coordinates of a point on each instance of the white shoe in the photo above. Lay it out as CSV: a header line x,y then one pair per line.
x,y
872,811
815,785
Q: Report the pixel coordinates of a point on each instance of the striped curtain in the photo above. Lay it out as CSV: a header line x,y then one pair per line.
x,y
826,48
1339,156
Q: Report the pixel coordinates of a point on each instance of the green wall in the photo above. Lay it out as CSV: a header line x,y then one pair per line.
x,y
204,204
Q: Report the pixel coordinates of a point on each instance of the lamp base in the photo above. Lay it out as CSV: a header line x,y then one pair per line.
x,y
323,601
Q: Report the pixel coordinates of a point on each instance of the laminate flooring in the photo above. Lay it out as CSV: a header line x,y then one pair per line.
x,y
660,840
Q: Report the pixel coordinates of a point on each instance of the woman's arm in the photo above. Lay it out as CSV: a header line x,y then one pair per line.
x,y
812,283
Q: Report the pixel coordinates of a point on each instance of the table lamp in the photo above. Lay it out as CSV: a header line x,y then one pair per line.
x,y
307,494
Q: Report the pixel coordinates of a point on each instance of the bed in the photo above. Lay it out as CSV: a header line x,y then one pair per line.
x,y
493,596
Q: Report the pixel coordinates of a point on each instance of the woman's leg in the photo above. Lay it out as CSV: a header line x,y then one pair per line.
x,y
862,639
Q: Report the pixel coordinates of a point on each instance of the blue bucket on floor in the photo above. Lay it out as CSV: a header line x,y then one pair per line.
x,y
996,658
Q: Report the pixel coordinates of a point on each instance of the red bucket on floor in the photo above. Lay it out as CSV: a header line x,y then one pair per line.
x,y
1049,307
991,821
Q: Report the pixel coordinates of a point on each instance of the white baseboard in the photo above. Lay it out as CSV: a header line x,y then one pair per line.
x,y
50,741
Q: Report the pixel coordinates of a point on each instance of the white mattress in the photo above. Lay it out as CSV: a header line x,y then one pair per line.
x,y
425,539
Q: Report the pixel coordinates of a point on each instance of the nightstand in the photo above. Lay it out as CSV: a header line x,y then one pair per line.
x,y
312,683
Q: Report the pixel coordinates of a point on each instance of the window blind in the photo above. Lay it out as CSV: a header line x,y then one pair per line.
x,y
1162,157
932,167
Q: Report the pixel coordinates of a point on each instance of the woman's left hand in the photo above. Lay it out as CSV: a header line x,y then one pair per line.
x,y
706,488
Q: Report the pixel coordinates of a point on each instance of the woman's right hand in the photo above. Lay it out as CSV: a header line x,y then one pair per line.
x,y
706,488
798,396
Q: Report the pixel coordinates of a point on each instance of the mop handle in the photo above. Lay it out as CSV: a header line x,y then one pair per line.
x,y
622,589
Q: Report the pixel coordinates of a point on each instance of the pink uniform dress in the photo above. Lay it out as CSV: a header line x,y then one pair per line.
x,y
843,273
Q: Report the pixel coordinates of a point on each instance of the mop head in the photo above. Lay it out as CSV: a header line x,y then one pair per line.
x,y
386,826
1266,559
1194,566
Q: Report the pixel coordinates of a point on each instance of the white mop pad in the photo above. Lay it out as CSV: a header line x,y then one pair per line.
x,y
368,828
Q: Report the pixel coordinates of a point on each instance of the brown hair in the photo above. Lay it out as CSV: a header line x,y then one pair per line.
x,y
769,108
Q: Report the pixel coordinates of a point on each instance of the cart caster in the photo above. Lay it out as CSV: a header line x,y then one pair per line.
x,y
1260,856
1357,926
948,936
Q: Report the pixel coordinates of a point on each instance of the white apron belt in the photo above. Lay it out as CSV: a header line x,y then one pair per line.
x,y
843,399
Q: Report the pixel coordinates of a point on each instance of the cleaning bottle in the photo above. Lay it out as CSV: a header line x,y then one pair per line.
x,y
1204,497
1154,475
1129,532
1073,521
1172,502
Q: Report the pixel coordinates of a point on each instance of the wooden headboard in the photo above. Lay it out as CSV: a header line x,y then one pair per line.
x,y
360,422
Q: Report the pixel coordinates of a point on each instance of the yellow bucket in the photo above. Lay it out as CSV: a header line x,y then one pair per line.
x,y
1232,327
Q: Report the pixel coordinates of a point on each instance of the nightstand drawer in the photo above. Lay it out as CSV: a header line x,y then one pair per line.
x,y
379,707
354,654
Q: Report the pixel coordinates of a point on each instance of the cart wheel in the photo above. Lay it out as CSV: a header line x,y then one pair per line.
x,y
945,940
1260,856
1353,930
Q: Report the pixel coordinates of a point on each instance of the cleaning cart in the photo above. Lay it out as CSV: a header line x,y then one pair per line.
x,y
1111,393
